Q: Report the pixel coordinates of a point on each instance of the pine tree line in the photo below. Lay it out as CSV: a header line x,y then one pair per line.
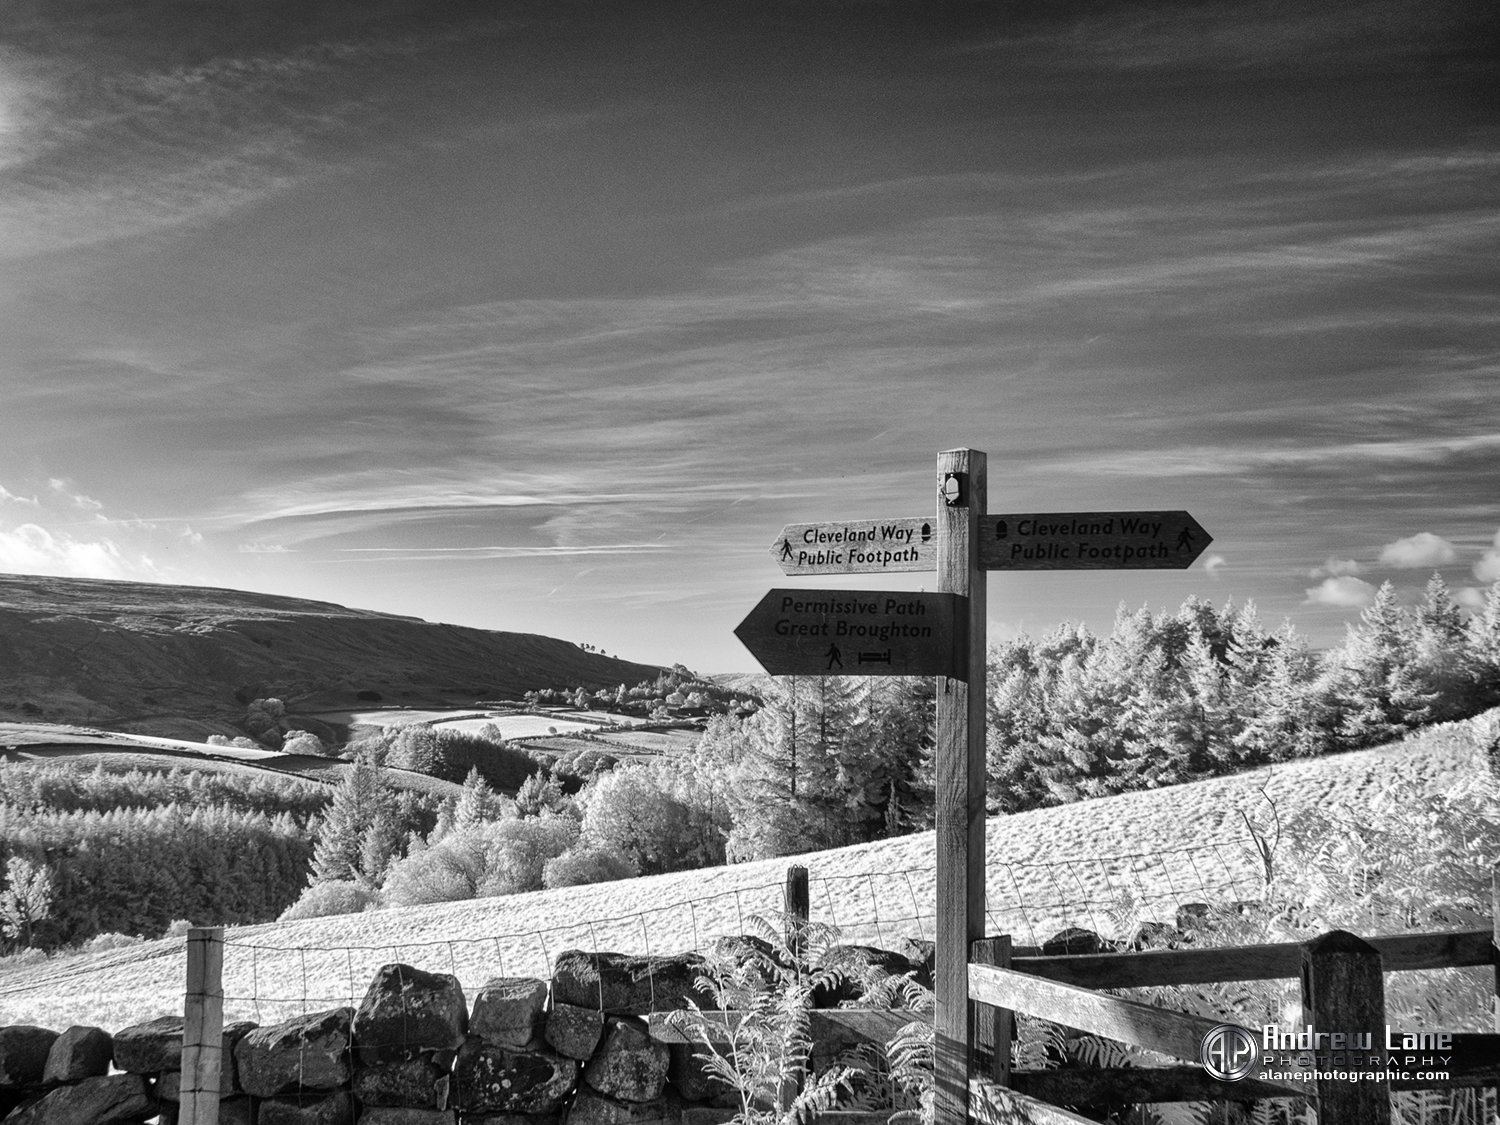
x,y
135,871
1171,697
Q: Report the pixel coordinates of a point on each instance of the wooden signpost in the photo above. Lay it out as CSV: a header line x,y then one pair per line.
x,y
798,632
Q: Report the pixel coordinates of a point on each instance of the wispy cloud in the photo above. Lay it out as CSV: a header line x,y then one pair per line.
x,y
1345,591
1336,568
1421,550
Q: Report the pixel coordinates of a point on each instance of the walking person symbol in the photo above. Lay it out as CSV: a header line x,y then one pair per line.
x,y
835,658
1185,540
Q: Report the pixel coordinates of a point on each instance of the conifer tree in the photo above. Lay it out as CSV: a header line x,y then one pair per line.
x,y
476,803
1378,693
26,899
358,804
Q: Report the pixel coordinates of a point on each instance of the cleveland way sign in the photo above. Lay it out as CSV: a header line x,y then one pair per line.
x,y
1090,541
857,633
857,546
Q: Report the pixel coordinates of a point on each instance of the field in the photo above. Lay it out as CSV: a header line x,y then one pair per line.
x,y
651,741
511,724
1046,869
20,742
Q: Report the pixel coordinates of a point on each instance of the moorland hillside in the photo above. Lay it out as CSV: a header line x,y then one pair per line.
x,y
1424,806
185,661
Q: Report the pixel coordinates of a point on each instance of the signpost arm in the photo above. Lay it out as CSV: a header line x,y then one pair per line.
x,y
960,780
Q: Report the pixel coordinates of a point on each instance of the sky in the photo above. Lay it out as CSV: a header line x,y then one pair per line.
x,y
547,316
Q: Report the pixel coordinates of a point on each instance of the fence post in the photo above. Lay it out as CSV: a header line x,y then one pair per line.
x,y
1495,941
994,1027
958,781
798,907
202,1027
1343,989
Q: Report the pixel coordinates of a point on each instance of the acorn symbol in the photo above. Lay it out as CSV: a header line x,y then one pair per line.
x,y
1001,530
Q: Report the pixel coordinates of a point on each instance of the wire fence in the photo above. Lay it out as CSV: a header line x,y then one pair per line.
x,y
266,981
268,977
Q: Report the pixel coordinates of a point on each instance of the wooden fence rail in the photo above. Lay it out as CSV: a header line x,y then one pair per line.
x,y
1342,981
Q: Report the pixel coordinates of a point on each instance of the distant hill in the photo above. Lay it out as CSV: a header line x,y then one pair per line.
x,y
185,660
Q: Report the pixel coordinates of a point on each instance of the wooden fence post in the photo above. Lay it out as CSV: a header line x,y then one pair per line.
x,y
798,907
959,779
994,1027
1343,989
1495,941
202,1027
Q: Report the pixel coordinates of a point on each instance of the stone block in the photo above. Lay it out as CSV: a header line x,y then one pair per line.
x,y
150,1047
574,1031
306,1053
508,1011
337,1108
590,1107
708,1114
417,1083
625,984
500,1080
117,1099
629,1065
23,1054
79,1052
406,1115
512,1119
405,1011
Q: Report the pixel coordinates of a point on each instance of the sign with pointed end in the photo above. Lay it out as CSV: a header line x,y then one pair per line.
x,y
857,547
857,633
1090,541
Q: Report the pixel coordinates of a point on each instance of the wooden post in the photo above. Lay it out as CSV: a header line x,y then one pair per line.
x,y
1495,941
798,907
994,1027
202,1027
960,779
1343,989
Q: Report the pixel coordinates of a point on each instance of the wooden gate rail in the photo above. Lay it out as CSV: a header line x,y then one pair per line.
x,y
1403,952
1342,987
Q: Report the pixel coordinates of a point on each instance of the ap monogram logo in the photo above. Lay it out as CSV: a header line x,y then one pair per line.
x,y
1228,1052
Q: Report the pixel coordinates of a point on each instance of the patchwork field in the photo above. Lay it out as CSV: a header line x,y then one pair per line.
x,y
21,742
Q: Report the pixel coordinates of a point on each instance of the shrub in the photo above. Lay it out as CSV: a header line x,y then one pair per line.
x,y
580,865
334,897
100,942
487,858
634,812
303,742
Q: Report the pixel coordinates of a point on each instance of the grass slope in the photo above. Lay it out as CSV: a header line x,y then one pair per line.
x,y
184,660
1047,869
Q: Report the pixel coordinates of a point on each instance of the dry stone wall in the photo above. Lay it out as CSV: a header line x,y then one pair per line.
x,y
575,1050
